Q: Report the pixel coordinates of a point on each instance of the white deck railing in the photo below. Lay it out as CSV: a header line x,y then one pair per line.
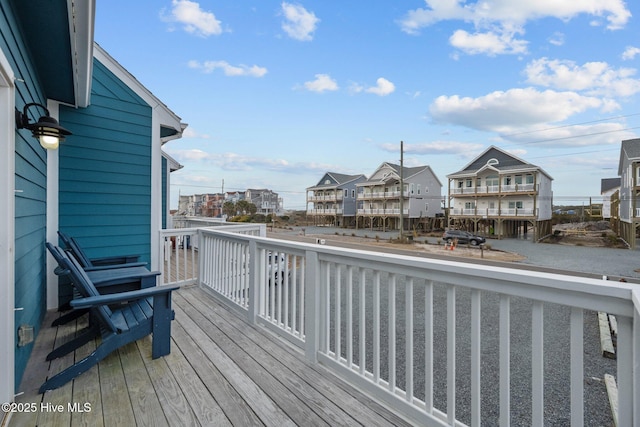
x,y
407,330
179,247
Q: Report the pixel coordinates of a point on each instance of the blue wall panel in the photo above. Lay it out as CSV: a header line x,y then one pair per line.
x,y
105,170
30,197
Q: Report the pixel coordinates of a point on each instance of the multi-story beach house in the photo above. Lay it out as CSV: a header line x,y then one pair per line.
x,y
333,199
629,171
394,193
266,201
499,194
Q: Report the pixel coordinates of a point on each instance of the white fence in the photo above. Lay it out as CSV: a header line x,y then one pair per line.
x,y
442,342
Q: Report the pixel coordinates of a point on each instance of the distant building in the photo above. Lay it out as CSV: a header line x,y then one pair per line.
x,y
333,199
382,203
498,193
629,171
608,188
266,201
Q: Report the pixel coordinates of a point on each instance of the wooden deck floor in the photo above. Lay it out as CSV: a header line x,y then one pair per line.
x,y
221,371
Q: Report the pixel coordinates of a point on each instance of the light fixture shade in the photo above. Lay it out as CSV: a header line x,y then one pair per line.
x,y
47,130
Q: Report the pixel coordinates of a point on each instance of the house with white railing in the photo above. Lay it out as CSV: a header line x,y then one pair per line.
x,y
394,193
629,171
333,199
500,194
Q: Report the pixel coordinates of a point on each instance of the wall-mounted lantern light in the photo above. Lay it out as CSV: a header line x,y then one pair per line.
x,y
47,130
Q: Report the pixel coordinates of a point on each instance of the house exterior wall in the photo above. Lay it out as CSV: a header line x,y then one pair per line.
x,y
105,170
629,168
425,195
28,221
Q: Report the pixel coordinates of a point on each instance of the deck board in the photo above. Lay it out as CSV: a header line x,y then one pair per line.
x,y
221,371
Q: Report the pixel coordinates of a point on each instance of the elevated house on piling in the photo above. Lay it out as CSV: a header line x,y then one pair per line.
x,y
500,194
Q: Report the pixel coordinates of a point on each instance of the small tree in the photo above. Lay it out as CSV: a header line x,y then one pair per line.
x,y
229,209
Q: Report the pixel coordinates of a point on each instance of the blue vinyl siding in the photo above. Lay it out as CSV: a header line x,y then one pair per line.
x,y
105,170
30,196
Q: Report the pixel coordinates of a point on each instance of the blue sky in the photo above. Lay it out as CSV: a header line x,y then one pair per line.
x,y
277,93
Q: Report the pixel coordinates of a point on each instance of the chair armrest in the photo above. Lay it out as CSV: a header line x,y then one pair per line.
x,y
112,266
99,300
115,260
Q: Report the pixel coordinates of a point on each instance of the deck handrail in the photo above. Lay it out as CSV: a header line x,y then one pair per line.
x,y
330,301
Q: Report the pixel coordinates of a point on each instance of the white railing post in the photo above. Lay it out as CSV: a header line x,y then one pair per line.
x,y
253,282
635,297
625,367
312,305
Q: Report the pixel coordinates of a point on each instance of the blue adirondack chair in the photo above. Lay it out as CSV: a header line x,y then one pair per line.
x,y
135,314
106,280
89,264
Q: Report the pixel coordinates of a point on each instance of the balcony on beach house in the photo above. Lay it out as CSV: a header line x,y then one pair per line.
x,y
277,332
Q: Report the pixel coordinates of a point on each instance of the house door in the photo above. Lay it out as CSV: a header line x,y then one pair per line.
x,y
7,233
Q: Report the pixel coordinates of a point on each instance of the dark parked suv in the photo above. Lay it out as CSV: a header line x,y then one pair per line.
x,y
463,237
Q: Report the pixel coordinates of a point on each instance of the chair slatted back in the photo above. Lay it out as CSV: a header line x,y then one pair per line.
x,y
82,283
76,250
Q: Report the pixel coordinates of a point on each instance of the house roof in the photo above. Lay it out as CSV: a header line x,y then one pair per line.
x,y
170,125
607,184
60,32
407,173
494,158
630,149
337,179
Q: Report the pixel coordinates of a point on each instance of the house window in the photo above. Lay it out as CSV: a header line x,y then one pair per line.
x,y
515,205
411,188
353,194
460,183
492,205
426,207
346,193
518,179
418,189
529,178
507,180
492,180
478,182
469,205
469,183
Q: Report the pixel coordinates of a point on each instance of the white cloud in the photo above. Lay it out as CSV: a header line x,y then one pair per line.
x,y
630,53
191,133
383,87
512,110
239,162
490,43
228,69
194,19
557,39
592,78
322,83
489,12
575,136
497,22
299,23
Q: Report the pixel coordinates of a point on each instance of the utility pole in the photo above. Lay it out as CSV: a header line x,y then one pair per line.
x,y
401,189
